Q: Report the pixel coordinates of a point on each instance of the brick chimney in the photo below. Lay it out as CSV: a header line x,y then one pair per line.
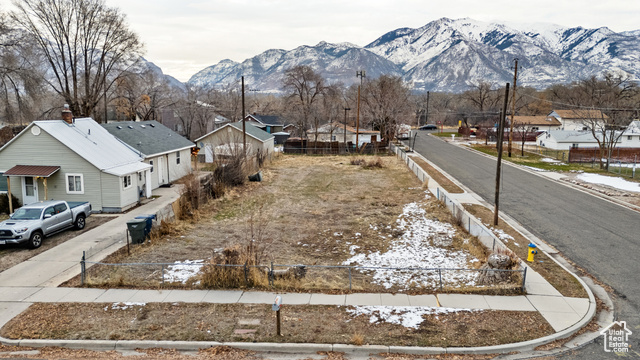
x,y
67,116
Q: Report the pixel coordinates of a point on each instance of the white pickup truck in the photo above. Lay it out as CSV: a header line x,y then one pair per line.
x,y
31,223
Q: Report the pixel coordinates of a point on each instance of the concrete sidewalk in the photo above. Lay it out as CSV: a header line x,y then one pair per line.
x,y
61,263
36,281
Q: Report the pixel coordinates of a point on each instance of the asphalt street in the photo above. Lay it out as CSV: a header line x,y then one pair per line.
x,y
598,235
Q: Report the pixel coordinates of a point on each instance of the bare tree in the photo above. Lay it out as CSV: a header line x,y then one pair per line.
x,y
86,44
524,130
386,102
305,88
141,94
20,80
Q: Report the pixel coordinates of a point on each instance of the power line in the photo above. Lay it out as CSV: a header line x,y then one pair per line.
x,y
580,106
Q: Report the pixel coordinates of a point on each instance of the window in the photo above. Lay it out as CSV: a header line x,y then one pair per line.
x,y
60,208
50,211
575,146
333,138
629,137
178,157
75,184
126,181
151,163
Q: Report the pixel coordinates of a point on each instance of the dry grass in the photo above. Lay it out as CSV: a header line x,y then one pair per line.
x,y
438,177
564,282
300,324
308,210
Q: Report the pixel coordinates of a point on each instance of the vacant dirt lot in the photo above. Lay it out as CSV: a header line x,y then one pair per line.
x,y
11,255
313,211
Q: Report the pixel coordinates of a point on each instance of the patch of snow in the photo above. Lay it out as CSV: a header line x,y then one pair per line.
x,y
553,161
423,244
124,305
353,248
337,234
614,182
535,168
408,316
182,271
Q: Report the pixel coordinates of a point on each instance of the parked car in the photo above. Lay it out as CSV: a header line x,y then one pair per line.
x,y
404,131
428,127
30,224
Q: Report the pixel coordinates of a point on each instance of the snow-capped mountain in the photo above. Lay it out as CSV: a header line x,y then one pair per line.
x,y
450,55
264,72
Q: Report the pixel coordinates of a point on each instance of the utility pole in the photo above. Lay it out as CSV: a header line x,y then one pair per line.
x,y
426,113
513,103
244,126
361,74
498,168
345,127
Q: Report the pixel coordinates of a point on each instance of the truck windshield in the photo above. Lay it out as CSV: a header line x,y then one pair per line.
x,y
26,214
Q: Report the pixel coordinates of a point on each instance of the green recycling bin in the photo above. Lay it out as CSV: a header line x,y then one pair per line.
x,y
136,229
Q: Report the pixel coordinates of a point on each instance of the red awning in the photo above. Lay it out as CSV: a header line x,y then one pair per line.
x,y
32,170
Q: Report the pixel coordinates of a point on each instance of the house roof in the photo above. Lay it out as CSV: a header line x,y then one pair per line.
x,y
32,170
580,114
270,120
251,130
570,136
148,137
326,129
633,128
92,142
537,120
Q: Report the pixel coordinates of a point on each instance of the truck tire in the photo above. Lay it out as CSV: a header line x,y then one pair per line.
x,y
35,240
80,222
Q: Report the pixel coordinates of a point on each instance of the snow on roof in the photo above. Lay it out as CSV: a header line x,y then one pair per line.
x,y
570,136
95,144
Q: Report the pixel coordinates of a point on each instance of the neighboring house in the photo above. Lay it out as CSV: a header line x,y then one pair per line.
x,y
269,123
578,119
536,123
564,140
229,139
74,160
168,153
336,132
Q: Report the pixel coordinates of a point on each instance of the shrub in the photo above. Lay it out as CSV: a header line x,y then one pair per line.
x,y
4,203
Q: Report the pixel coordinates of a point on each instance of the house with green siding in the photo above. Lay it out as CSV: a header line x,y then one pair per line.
x,y
74,160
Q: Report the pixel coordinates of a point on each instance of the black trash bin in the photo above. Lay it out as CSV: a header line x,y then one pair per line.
x,y
149,223
136,229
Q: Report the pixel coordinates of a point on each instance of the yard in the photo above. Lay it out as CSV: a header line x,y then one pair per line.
x,y
316,211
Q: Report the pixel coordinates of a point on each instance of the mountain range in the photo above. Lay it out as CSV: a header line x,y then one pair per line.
x,y
448,55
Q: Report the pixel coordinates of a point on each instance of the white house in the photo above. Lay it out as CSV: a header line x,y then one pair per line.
x,y
579,119
565,140
336,132
168,153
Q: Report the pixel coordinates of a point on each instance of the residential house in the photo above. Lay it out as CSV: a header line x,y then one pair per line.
x,y
537,123
269,123
74,160
336,132
565,140
228,139
168,153
578,119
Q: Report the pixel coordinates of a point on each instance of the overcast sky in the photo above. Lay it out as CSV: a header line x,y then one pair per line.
x,y
185,36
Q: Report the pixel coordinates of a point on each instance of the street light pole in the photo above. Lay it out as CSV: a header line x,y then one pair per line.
x,y
361,74
244,129
345,127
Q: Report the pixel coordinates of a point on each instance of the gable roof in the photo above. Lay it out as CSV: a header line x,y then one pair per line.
x,y
570,136
148,137
578,114
326,129
536,120
271,120
93,143
251,130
